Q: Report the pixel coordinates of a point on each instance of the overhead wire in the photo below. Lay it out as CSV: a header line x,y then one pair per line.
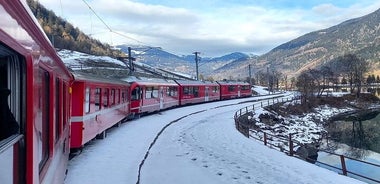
x,y
108,27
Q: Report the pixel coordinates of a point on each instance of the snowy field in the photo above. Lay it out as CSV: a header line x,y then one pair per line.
x,y
203,147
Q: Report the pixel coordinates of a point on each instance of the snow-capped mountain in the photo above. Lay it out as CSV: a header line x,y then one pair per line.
x,y
159,58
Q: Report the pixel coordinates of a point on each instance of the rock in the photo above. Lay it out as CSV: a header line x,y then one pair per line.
x,y
309,152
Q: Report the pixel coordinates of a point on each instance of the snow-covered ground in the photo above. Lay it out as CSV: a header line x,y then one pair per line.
x,y
201,145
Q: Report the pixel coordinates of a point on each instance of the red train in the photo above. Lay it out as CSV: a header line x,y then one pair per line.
x,y
229,90
45,109
153,95
97,104
35,101
191,92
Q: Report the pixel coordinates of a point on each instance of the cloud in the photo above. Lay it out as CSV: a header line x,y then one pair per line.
x,y
213,30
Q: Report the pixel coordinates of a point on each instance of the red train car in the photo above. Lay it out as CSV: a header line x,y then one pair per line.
x,y
229,90
192,92
35,100
150,95
97,105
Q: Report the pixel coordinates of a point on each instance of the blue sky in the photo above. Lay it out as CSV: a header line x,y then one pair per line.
x,y
212,27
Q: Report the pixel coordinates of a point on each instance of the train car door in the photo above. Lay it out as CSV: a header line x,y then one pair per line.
x,y
206,94
12,117
239,91
161,95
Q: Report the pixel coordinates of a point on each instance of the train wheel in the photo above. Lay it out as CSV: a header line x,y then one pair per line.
x,y
102,135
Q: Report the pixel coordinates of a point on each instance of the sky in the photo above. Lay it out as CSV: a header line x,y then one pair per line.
x,y
212,27
202,146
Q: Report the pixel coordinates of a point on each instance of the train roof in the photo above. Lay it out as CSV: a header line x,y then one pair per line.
x,y
85,77
194,82
149,81
232,83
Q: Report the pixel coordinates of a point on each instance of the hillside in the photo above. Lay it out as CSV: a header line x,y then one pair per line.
x,y
359,36
63,35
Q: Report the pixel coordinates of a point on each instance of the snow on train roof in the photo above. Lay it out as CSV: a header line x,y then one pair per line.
x,y
232,82
194,82
147,81
80,76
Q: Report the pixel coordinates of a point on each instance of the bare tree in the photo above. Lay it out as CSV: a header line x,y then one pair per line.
x,y
354,69
306,86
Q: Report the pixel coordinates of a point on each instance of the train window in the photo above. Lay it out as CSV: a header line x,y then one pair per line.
x,y
112,97
231,88
97,99
175,91
135,94
196,91
185,90
167,90
11,82
42,126
105,97
87,100
65,105
155,92
148,92
215,89
57,109
117,96
122,96
245,87
188,90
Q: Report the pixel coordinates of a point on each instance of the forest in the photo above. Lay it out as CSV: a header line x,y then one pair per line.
x,y
63,35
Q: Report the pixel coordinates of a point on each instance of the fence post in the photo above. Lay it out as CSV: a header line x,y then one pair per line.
x,y
246,131
290,145
261,103
344,169
265,138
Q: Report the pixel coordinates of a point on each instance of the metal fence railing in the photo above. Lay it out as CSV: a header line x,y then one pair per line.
x,y
244,123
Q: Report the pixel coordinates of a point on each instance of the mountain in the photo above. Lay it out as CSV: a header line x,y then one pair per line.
x,y
359,36
158,58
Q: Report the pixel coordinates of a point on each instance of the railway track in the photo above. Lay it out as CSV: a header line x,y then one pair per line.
x,y
192,114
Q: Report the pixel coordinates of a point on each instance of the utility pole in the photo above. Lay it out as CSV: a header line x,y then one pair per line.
x,y
130,59
268,80
250,74
196,63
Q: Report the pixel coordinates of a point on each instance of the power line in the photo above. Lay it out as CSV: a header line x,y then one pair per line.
x,y
109,28
93,11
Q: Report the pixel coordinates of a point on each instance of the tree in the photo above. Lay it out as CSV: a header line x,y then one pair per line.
x,y
321,79
305,86
371,79
354,69
344,81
